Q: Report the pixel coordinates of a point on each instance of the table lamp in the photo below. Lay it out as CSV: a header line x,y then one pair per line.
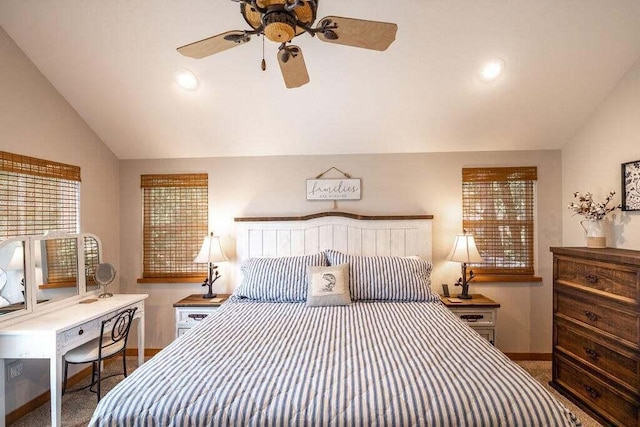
x,y
210,253
464,251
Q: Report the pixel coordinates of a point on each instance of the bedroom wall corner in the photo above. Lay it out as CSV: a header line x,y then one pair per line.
x,y
591,162
37,121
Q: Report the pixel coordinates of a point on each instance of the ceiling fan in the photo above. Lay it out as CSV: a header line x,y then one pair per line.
x,y
282,20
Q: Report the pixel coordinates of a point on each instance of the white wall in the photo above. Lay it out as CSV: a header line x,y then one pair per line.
x,y
591,162
35,120
391,184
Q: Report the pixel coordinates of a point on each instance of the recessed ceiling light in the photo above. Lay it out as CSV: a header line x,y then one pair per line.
x,y
492,70
186,79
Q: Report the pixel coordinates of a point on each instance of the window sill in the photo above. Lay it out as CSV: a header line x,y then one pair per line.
x,y
172,279
58,285
505,278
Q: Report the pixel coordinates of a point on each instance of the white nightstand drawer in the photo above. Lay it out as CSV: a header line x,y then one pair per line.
x,y
193,309
477,318
487,334
192,316
182,331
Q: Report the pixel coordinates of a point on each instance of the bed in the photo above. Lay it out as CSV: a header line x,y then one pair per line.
x,y
378,349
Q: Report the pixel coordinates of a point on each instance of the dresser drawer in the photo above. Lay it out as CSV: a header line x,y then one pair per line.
x,y
615,406
623,367
614,279
590,311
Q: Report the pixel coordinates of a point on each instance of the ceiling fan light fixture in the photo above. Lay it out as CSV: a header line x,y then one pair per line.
x,y
186,79
492,70
279,26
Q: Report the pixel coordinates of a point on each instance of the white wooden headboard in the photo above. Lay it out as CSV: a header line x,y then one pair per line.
x,y
352,234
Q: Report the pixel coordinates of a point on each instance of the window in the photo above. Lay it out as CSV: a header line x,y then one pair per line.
x,y
498,209
37,196
175,213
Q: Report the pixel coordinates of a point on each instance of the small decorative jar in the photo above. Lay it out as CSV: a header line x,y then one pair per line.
x,y
595,233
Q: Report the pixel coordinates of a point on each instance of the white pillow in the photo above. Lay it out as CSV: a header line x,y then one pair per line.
x,y
328,286
4,302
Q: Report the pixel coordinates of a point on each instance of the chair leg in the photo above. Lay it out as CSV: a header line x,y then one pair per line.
x,y
124,363
64,383
98,363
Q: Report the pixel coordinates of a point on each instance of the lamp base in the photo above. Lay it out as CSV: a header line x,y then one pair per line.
x,y
209,296
462,296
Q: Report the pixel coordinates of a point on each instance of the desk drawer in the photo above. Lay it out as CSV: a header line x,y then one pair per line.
x,y
617,407
79,335
608,319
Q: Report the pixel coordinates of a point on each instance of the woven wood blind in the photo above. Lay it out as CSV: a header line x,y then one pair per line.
x,y
37,195
498,209
175,215
62,261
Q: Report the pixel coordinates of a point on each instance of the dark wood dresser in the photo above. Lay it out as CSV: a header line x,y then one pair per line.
x,y
596,331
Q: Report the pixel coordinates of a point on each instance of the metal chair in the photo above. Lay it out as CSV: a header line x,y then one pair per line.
x,y
112,341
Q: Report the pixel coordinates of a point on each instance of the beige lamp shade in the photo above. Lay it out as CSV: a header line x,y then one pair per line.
x,y
211,251
464,250
17,259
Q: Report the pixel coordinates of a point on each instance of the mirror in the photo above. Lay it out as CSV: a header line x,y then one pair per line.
x,y
56,273
36,272
12,269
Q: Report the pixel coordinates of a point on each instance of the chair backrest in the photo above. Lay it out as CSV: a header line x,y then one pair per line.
x,y
120,325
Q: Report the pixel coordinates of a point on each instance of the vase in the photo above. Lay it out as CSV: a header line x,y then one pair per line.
x,y
595,233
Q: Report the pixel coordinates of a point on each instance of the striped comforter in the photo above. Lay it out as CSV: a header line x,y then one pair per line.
x,y
375,363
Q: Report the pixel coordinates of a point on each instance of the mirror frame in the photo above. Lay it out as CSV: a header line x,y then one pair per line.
x,y
32,308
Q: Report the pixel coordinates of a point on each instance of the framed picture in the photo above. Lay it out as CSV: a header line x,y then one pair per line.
x,y
631,186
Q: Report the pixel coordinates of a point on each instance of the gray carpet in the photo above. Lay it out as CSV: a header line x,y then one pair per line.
x,y
77,407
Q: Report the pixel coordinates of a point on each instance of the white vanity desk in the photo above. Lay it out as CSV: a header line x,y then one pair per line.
x,y
51,335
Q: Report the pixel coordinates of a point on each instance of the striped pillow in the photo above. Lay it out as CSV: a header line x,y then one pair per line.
x,y
386,278
282,279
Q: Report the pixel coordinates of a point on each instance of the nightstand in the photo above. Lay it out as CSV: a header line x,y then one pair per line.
x,y
479,312
194,308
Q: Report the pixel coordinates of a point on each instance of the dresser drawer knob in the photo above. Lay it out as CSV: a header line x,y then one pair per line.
x,y
593,355
198,316
592,392
592,316
591,278
80,332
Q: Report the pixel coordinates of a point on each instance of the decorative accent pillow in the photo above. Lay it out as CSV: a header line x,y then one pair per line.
x,y
386,278
281,279
328,286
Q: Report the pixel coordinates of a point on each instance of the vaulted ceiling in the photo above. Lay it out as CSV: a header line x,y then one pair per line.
x,y
114,62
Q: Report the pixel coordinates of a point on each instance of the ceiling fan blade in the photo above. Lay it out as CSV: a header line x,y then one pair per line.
x,y
358,32
294,70
215,44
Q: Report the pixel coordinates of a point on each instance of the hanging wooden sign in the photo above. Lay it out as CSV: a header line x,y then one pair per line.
x,y
333,189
